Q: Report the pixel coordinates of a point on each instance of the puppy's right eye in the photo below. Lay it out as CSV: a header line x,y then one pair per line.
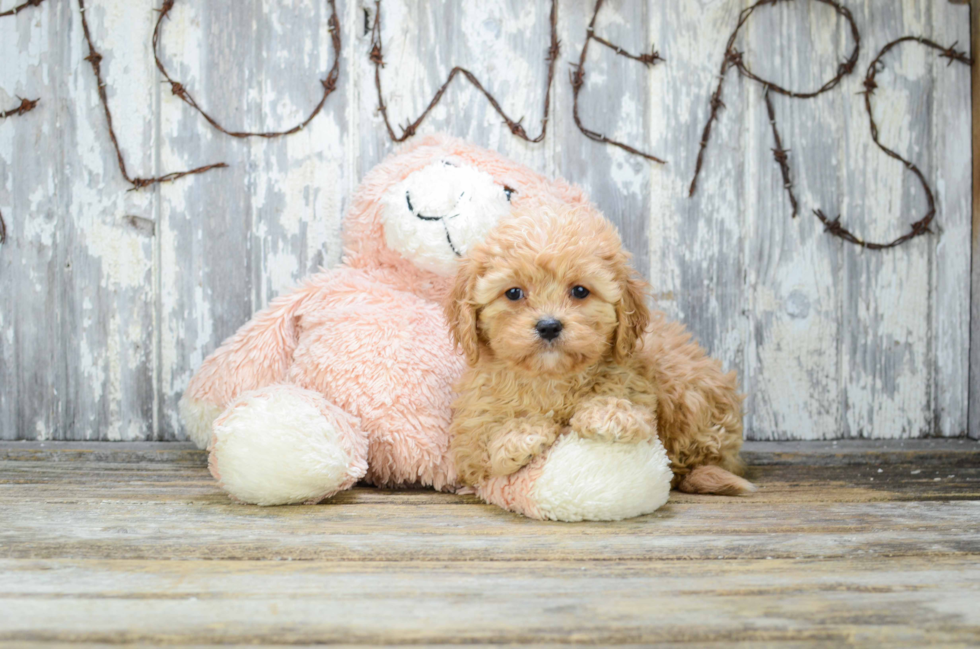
x,y
514,294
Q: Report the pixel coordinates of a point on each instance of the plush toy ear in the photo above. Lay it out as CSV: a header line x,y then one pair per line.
x,y
632,314
461,311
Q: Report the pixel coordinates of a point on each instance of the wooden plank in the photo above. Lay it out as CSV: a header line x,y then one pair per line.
x,y
697,244
923,452
204,277
168,473
78,307
780,484
136,452
952,181
189,528
31,266
887,351
87,505
858,601
792,267
974,397
231,241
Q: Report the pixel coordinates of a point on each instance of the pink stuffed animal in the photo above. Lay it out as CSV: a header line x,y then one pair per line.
x,y
350,377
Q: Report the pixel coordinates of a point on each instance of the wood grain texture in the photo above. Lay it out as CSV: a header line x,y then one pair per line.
x,y
953,173
975,239
133,543
616,100
110,299
231,241
792,309
605,603
77,310
886,337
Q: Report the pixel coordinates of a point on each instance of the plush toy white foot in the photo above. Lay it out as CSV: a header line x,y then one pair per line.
x,y
282,445
587,480
198,417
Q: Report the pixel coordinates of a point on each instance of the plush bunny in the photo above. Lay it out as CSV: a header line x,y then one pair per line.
x,y
350,377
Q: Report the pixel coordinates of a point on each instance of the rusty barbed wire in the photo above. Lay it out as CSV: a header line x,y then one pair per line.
x,y
26,105
577,77
329,83
95,59
781,155
920,227
735,59
19,8
376,56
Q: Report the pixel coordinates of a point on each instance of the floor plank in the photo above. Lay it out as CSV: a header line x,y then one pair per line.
x,y
523,602
843,545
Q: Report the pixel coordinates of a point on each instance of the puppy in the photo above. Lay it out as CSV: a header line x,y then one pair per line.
x,y
557,335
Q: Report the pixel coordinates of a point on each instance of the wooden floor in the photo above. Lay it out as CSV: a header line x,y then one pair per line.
x,y
847,543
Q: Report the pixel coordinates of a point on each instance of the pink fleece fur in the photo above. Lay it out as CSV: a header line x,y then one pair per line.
x,y
370,335
513,492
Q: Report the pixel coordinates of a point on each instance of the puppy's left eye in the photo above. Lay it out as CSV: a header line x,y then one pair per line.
x,y
514,294
580,292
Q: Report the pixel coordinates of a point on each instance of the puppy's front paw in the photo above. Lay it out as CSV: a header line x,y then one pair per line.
x,y
612,419
521,443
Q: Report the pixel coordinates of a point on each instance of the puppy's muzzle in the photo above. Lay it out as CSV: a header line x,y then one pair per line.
x,y
548,328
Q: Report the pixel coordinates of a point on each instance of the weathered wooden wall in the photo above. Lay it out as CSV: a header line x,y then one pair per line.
x,y
974,398
110,299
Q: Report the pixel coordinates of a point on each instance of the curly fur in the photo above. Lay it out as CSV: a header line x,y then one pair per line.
x,y
616,372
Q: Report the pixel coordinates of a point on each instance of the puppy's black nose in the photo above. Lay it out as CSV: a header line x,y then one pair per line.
x,y
549,328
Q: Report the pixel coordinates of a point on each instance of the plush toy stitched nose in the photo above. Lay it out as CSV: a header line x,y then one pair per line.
x,y
549,328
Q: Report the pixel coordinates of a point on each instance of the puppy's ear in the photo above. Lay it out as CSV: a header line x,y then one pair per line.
x,y
632,314
461,311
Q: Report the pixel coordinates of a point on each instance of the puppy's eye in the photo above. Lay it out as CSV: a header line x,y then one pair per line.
x,y
580,292
514,294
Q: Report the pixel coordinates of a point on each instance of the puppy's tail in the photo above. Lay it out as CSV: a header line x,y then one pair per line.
x,y
715,480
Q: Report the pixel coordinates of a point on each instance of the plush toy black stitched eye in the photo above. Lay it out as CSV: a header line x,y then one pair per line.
x,y
580,292
514,294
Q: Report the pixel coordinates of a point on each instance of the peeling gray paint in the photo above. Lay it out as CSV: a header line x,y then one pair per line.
x,y
111,299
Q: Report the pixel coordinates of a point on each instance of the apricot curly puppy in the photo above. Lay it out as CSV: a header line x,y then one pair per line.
x,y
557,334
